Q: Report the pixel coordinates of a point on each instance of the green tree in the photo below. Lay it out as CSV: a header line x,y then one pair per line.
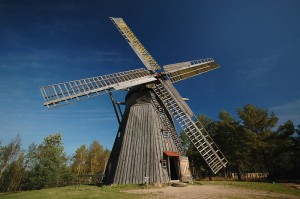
x,y
296,153
79,166
31,179
232,140
30,160
13,175
95,159
50,165
256,119
11,162
282,154
9,153
258,124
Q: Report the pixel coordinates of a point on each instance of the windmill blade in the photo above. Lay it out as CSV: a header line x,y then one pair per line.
x,y
65,93
180,71
135,44
191,126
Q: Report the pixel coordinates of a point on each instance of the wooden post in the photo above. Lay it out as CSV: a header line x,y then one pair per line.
x,y
114,105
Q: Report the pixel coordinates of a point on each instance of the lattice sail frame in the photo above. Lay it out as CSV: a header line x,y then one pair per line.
x,y
180,71
135,44
65,93
191,126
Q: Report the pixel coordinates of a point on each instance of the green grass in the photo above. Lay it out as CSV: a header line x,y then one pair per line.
x,y
115,191
276,188
82,191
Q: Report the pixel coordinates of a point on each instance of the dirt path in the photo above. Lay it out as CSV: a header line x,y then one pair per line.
x,y
207,192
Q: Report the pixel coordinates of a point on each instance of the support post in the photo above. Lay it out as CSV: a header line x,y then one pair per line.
x,y
169,168
119,107
114,105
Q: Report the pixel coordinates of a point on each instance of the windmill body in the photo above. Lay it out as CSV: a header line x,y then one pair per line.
x,y
147,147
140,143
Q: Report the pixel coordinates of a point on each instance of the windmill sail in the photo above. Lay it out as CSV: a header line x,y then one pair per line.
x,y
180,71
64,93
192,127
135,44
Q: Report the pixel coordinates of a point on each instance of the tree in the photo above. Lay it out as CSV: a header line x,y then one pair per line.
x,y
11,162
31,179
282,150
256,119
258,124
9,153
252,143
90,161
30,160
95,159
50,166
79,165
296,153
232,140
13,175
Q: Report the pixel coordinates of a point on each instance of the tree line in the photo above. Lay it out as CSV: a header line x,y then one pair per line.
x,y
253,142
46,165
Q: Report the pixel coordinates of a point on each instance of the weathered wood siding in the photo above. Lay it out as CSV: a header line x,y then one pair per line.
x,y
138,151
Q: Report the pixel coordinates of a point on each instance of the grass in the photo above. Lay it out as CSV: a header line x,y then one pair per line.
x,y
107,192
263,186
82,191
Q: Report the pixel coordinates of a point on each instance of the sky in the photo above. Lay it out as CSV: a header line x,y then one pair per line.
x,y
257,44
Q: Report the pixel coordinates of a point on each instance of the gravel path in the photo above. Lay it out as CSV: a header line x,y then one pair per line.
x,y
207,192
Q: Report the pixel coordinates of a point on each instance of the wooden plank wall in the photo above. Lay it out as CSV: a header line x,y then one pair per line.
x,y
137,152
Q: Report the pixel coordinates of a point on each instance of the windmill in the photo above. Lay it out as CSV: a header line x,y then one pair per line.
x,y
147,147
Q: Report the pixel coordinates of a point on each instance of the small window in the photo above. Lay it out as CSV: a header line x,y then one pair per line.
x,y
164,163
165,134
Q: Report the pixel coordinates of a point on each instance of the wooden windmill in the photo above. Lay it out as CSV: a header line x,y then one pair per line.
x,y
147,146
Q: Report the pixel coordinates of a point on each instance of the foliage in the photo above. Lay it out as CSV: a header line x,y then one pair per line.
x,y
94,160
252,143
11,166
232,139
51,161
79,165
9,153
90,161
46,165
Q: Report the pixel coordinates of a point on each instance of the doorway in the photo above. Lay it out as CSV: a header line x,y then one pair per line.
x,y
173,165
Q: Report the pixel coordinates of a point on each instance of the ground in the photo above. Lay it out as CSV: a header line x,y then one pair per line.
x,y
199,190
207,191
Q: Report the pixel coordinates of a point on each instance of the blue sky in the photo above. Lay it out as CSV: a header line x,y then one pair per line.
x,y
256,42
